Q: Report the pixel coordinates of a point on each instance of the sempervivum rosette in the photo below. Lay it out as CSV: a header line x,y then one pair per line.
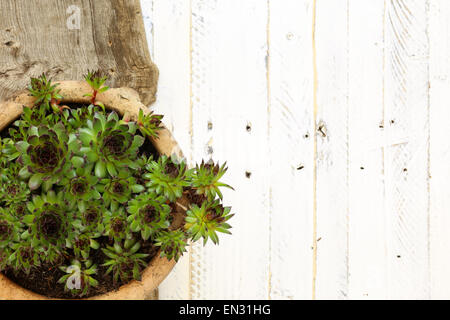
x,y
44,155
148,214
79,186
9,229
24,256
110,144
13,190
90,219
50,225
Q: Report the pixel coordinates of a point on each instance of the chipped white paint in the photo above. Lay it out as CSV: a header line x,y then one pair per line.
x,y
237,83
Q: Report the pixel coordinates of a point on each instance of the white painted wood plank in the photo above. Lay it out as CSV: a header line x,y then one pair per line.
x,y
406,162
439,148
367,221
373,224
229,86
167,23
331,39
291,148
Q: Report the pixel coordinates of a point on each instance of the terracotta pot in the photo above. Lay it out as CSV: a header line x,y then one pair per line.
x,y
126,102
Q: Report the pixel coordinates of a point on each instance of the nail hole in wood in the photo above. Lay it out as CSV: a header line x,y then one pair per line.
x,y
248,127
404,169
248,174
306,136
392,121
362,168
399,256
9,43
300,167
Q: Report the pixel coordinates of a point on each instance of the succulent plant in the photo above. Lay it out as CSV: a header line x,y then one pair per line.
x,y
8,151
119,188
79,185
110,144
205,221
194,197
139,173
44,156
90,219
50,224
45,92
167,177
9,229
149,124
124,261
82,245
75,181
17,210
13,190
24,257
115,222
2,152
96,81
205,179
5,254
77,118
148,214
173,243
79,277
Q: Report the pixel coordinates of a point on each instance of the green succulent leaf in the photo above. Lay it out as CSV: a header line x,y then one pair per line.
x,y
205,221
167,177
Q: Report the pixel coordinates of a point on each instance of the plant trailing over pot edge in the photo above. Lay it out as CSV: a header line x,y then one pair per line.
x,y
77,183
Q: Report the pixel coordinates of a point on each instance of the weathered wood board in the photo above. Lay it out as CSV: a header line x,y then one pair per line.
x,y
65,38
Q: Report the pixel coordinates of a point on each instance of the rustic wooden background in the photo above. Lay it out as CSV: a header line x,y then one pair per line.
x,y
65,38
334,116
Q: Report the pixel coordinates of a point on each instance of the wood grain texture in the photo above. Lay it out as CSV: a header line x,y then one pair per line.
x,y
381,127
291,167
229,91
111,37
332,159
407,161
367,263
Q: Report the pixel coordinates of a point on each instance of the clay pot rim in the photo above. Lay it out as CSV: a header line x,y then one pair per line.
x,y
126,102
